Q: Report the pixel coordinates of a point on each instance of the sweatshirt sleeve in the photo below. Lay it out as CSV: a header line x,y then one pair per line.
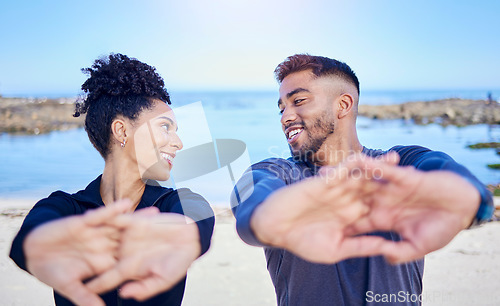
x,y
255,185
54,207
427,160
184,201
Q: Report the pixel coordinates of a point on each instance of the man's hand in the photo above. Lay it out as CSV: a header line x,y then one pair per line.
x,y
65,252
309,218
322,219
426,208
155,252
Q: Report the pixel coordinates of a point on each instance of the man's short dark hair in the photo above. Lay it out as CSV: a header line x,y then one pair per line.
x,y
320,66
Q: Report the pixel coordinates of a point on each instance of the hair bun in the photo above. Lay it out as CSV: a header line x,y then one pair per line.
x,y
117,85
117,75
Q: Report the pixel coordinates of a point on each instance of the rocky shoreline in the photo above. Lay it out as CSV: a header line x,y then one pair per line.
x,y
42,115
459,112
36,116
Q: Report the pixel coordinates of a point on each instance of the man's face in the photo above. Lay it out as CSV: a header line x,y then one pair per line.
x,y
307,113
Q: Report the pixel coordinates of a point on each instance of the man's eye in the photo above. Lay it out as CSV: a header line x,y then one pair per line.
x,y
166,127
297,101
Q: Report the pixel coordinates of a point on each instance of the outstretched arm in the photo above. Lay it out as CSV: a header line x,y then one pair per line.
x,y
158,245
323,221
427,206
65,252
309,218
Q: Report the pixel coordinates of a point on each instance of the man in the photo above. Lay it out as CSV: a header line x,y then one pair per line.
x,y
325,215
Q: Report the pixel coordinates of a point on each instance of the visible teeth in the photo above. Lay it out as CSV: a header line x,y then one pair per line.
x,y
167,157
293,133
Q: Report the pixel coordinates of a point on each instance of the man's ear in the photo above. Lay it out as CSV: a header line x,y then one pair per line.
x,y
119,130
345,105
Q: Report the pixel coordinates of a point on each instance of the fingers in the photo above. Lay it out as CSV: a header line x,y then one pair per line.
x,y
395,252
360,167
400,252
106,281
362,246
351,247
346,207
362,226
103,262
349,192
388,172
361,186
79,294
147,212
125,220
103,215
378,219
146,288
108,232
343,171
114,214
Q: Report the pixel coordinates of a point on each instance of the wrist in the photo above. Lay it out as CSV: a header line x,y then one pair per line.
x,y
257,225
264,227
486,208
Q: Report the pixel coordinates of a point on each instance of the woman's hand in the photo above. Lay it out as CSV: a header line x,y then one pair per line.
x,y
155,252
63,253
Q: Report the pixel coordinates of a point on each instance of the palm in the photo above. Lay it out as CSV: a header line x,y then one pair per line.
x,y
309,218
156,251
426,208
65,252
321,220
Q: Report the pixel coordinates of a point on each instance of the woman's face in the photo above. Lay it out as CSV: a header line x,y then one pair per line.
x,y
155,142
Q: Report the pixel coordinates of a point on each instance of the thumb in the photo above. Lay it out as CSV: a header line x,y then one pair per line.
x,y
101,215
80,295
147,212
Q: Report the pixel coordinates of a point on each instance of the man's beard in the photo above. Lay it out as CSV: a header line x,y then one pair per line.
x,y
316,136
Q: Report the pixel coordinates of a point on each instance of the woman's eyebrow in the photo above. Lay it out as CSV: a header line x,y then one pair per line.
x,y
169,120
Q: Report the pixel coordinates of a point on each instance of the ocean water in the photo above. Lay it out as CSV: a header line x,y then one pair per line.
x,y
34,166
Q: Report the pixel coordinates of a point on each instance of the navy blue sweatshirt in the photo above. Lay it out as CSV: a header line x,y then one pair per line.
x,y
60,204
356,281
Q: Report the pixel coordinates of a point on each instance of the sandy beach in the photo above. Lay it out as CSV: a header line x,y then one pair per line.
x,y
466,272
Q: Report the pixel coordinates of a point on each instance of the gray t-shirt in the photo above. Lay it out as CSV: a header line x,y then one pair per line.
x,y
356,281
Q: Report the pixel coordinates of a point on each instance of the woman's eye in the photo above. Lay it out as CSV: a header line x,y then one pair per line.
x,y
166,127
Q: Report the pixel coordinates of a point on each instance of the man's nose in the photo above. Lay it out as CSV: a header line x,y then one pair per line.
x,y
288,115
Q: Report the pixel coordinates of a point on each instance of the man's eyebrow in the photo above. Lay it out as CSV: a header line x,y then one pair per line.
x,y
291,93
296,91
169,120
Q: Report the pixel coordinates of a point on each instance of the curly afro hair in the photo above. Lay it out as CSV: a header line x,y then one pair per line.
x,y
117,85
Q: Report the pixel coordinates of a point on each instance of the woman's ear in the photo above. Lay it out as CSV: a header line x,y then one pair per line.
x,y
345,105
119,130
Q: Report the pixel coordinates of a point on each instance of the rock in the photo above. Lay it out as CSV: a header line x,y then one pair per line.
x,y
35,116
445,112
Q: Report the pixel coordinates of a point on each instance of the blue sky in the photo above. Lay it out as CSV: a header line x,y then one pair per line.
x,y
235,45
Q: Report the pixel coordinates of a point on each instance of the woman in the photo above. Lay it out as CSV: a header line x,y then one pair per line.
x,y
89,243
